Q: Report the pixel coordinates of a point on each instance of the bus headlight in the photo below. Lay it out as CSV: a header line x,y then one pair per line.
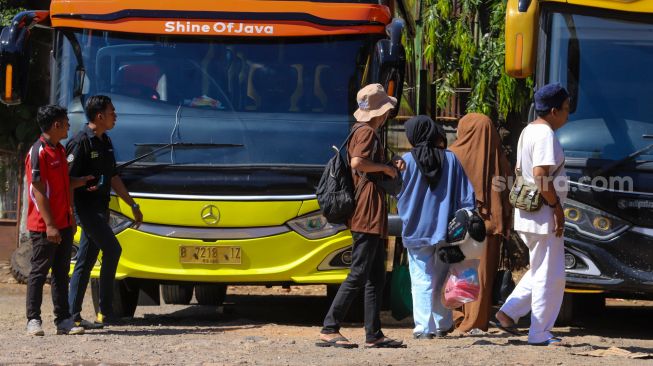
x,y
593,222
572,214
314,226
602,223
118,222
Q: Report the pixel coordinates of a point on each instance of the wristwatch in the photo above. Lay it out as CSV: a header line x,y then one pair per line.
x,y
136,205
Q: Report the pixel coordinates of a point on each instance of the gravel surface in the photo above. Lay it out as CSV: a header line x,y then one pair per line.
x,y
259,326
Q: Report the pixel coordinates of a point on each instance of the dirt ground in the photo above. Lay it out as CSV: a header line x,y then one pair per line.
x,y
259,326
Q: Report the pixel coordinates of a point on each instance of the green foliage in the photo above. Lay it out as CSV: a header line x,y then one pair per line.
x,y
7,13
18,126
464,39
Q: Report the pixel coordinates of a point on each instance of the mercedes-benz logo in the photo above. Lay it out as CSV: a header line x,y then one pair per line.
x,y
210,214
621,204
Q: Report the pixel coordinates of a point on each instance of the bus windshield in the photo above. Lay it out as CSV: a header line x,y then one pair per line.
x,y
614,103
281,101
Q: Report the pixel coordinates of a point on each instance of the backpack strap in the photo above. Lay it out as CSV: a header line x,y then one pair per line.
x,y
519,154
346,142
374,149
345,146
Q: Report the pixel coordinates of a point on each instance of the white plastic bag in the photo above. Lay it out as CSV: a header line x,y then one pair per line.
x,y
462,285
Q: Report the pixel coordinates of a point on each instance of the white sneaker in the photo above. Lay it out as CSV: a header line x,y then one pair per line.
x,y
34,328
68,327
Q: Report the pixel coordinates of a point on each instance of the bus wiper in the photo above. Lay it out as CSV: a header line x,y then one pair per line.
x,y
609,167
185,145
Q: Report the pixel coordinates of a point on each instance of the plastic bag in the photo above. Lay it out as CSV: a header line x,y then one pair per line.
x,y
462,285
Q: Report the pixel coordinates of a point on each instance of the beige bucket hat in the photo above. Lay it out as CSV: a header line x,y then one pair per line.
x,y
373,102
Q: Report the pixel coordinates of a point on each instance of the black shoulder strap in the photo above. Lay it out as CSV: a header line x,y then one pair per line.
x,y
357,188
346,142
363,176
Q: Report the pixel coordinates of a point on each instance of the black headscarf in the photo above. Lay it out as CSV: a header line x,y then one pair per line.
x,y
423,133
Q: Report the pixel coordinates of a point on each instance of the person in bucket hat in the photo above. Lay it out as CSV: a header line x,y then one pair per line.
x,y
373,102
368,224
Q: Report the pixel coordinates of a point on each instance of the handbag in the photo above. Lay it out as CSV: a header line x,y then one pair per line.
x,y
503,283
524,195
502,287
389,185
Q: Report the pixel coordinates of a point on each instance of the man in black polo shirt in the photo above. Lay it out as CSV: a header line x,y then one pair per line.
x,y
90,152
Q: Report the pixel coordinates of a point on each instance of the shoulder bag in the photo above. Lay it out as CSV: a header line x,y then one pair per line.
x,y
524,195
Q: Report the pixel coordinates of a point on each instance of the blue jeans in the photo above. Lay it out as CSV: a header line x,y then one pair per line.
x,y
96,235
427,275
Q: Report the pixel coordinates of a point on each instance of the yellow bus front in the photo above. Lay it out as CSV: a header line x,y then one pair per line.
x,y
227,112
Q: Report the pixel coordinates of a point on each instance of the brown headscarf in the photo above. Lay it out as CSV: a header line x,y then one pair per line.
x,y
479,150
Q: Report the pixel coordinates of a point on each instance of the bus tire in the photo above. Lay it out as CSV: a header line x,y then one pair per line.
x,y
576,307
177,294
210,294
20,262
125,297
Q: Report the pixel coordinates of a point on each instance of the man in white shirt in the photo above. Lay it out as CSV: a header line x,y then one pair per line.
x,y
541,289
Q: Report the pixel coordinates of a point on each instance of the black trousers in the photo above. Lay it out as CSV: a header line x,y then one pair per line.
x,y
367,272
45,256
96,235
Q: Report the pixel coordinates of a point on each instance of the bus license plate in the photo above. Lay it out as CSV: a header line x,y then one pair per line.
x,y
209,254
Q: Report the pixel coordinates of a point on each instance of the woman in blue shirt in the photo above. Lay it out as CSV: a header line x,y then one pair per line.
x,y
435,186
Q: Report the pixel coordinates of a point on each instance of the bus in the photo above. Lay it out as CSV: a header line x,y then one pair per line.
x,y
227,111
601,51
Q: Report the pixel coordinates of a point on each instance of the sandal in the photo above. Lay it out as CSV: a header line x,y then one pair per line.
x,y
333,342
553,341
512,329
475,332
386,343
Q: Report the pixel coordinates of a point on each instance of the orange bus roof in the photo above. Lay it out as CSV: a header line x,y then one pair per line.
x,y
221,17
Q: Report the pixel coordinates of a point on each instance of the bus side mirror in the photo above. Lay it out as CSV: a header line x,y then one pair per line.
x,y
14,55
390,62
522,19
78,83
573,73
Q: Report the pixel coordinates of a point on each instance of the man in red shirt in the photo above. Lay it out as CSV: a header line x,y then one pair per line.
x,y
50,220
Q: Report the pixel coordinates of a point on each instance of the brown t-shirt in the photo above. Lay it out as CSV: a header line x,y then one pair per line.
x,y
370,215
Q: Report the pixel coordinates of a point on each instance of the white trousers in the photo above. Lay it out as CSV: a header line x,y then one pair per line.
x,y
427,275
541,289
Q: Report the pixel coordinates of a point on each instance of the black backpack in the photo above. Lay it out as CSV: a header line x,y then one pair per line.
x,y
335,192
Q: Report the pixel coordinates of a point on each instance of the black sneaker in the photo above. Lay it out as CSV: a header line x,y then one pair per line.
x,y
423,336
68,326
103,320
443,333
88,325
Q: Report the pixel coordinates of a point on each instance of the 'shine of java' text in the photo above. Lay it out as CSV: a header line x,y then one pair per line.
x,y
218,27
